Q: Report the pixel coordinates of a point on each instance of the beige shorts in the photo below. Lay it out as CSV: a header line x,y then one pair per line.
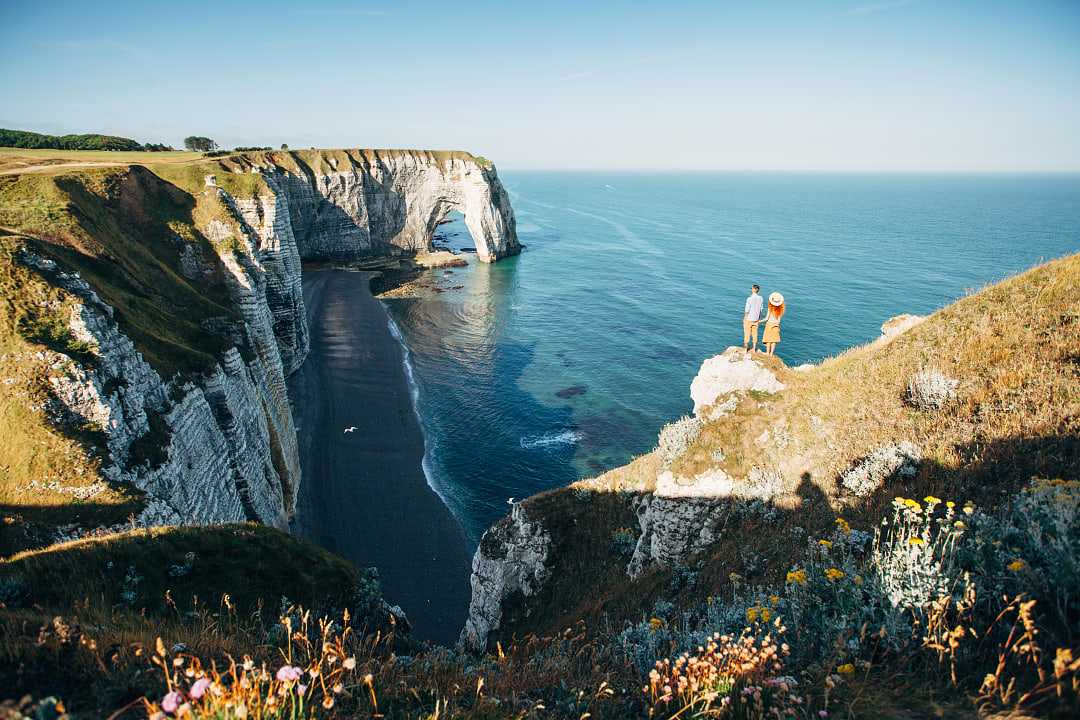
x,y
749,330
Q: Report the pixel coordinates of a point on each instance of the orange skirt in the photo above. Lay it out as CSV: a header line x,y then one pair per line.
x,y
772,333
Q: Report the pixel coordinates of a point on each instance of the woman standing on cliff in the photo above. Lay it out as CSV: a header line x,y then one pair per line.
x,y
771,336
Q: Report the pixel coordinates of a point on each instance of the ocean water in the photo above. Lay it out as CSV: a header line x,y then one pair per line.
x,y
567,360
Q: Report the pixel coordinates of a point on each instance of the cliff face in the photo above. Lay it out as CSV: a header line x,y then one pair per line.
x,y
213,441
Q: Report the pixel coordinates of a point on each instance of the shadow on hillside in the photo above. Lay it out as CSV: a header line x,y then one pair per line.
x,y
169,293
350,240
753,539
31,527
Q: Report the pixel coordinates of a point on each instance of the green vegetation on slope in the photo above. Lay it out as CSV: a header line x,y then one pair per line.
x,y
48,471
253,564
123,230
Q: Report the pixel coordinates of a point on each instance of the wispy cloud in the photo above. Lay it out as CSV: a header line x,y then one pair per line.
x,y
876,7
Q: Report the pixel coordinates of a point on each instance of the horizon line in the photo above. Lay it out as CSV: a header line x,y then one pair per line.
x,y
795,171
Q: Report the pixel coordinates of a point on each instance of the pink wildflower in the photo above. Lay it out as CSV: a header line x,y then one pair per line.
x,y
288,673
170,702
301,690
199,687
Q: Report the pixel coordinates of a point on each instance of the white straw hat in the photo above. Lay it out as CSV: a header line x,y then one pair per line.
x,y
776,299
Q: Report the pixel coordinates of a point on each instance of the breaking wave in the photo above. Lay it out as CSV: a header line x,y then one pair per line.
x,y
545,440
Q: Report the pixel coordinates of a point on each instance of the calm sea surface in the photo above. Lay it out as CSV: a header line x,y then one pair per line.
x,y
566,361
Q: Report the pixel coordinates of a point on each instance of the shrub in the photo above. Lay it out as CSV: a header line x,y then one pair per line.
x,y
623,541
675,438
872,472
930,389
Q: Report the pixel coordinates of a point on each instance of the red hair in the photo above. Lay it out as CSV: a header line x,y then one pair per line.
x,y
776,311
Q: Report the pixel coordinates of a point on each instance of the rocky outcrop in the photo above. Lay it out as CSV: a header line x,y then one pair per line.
x,y
378,202
511,560
899,324
732,371
221,446
674,528
201,452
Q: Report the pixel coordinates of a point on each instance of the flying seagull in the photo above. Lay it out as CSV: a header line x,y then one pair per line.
x,y
510,501
350,428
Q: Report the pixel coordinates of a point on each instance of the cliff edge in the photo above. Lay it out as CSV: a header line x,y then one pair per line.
x,y
773,455
153,312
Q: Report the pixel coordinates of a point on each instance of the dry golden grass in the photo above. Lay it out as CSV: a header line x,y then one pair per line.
x,y
21,160
1015,348
15,161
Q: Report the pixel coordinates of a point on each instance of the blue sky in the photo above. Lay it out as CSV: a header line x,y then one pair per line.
x,y
880,85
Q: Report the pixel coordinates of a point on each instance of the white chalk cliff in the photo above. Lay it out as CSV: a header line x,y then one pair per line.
x,y
227,442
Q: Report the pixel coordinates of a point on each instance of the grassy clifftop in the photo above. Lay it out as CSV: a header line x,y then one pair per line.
x,y
23,160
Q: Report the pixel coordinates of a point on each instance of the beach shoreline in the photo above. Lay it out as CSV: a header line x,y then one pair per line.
x,y
365,494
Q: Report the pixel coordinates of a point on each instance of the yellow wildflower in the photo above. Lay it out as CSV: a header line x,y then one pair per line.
x,y
797,576
825,543
898,500
843,525
655,624
751,614
916,541
834,574
969,508
766,614
950,504
913,506
931,500
774,600
1017,565
959,525
846,669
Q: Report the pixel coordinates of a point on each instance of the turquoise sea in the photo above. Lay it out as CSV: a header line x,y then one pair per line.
x,y
566,360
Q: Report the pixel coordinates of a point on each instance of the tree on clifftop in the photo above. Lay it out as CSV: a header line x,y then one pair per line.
x,y
199,144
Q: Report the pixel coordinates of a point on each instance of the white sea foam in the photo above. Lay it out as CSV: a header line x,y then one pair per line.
x,y
550,439
414,391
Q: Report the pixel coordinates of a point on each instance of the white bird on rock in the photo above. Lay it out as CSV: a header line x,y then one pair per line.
x,y
510,501
350,429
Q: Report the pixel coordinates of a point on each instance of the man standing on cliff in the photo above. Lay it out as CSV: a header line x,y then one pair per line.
x,y
751,319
